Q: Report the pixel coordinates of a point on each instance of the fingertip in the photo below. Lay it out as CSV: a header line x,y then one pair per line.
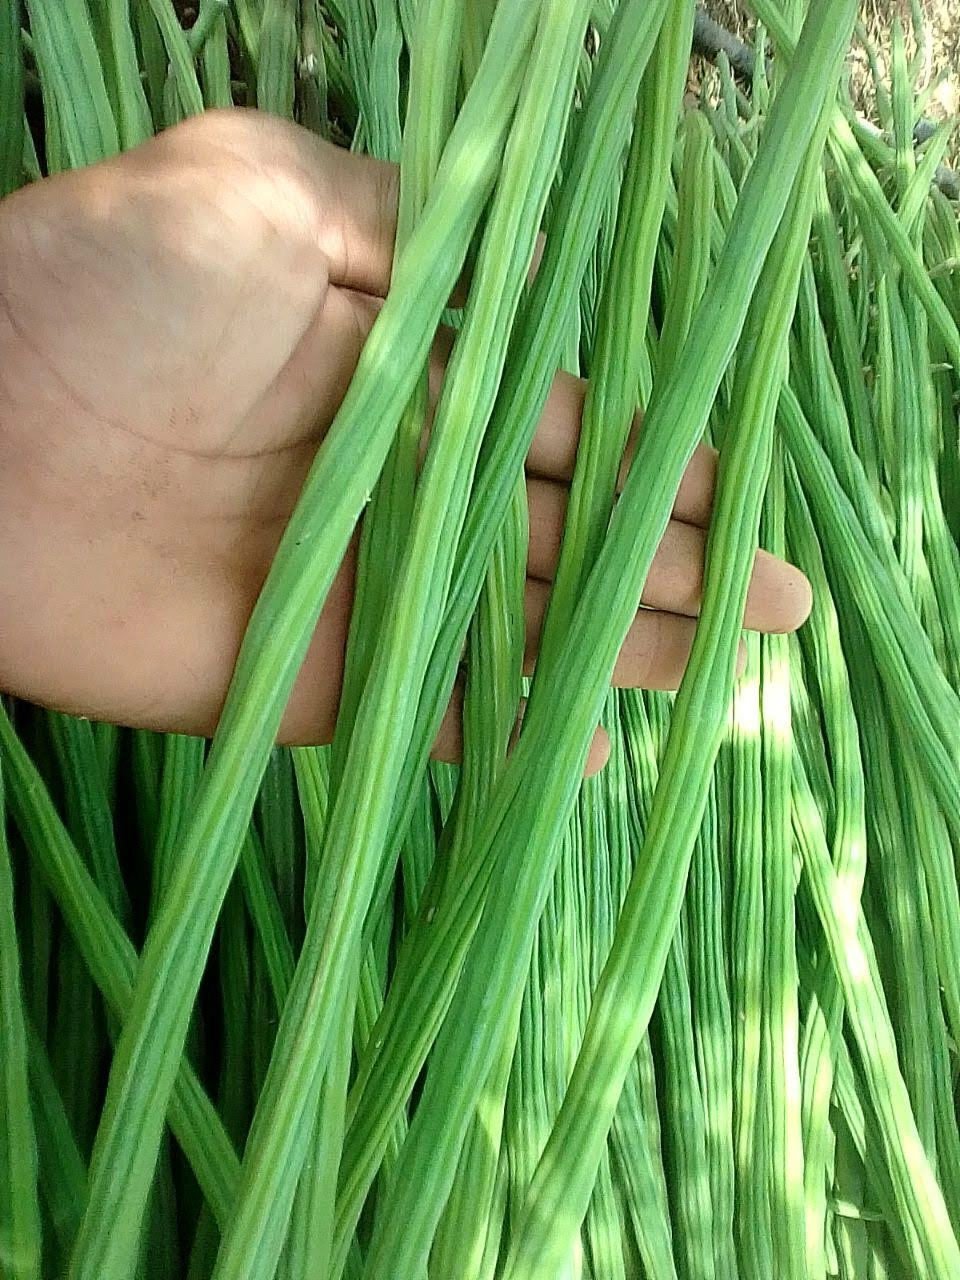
x,y
599,753
694,502
448,745
741,659
780,597
539,245
797,598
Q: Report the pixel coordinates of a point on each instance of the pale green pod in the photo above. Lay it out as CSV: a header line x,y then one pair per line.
x,y
20,1231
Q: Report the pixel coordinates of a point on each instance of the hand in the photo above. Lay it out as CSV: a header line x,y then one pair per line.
x,y
178,327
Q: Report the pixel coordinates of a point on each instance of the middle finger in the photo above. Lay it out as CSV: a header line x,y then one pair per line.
x,y
777,599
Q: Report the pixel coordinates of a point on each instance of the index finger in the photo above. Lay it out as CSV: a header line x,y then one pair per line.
x,y
357,198
553,452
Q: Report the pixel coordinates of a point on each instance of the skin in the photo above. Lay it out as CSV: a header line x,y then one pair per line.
x,y
178,327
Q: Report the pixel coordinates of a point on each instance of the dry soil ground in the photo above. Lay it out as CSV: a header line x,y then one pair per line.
x,y
940,44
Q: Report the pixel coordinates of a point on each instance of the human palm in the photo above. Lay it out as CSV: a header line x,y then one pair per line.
x,y
178,327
